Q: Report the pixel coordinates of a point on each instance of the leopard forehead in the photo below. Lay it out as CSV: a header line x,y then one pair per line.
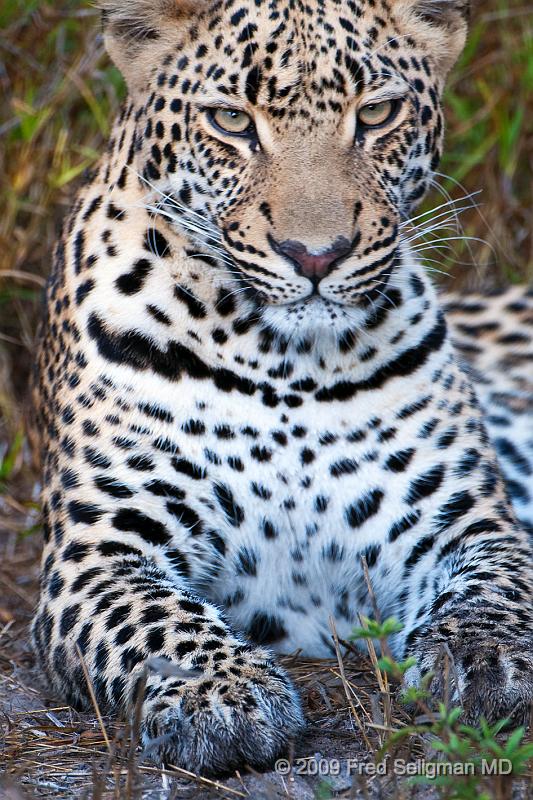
x,y
285,39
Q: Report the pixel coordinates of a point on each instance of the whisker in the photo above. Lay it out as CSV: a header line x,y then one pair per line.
x,y
449,208
386,298
443,224
447,214
460,239
449,203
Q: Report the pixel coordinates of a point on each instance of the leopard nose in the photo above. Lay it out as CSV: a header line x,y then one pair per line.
x,y
314,265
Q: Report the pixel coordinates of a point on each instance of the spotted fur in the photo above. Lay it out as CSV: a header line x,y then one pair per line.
x,y
246,386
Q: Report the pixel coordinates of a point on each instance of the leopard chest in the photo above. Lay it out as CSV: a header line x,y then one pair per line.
x,y
271,509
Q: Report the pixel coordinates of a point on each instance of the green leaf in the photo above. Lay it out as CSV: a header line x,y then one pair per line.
x,y
514,740
33,529
68,174
413,694
323,791
453,715
509,135
7,463
19,293
376,630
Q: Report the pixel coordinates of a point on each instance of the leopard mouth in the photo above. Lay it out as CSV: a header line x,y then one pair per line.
x,y
364,285
314,301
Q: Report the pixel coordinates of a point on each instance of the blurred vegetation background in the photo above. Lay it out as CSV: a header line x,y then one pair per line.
x,y
59,94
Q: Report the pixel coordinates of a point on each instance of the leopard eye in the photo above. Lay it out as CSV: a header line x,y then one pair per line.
x,y
374,115
230,121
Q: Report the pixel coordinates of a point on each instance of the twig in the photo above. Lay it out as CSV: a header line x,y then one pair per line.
x,y
93,697
345,683
215,784
352,690
368,582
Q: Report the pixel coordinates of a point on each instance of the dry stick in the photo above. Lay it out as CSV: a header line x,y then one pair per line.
x,y
450,660
143,768
288,790
382,678
12,586
93,698
41,710
134,734
383,642
353,692
215,784
379,727
238,774
50,771
59,746
370,589
118,748
383,684
98,780
345,683
24,276
98,784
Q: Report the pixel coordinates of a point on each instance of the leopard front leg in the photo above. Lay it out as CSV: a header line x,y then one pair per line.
x,y
477,633
488,670
211,703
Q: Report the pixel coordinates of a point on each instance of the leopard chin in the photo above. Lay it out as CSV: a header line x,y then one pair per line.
x,y
314,319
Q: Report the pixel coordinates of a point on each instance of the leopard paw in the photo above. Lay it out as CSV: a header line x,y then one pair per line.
x,y
488,676
212,725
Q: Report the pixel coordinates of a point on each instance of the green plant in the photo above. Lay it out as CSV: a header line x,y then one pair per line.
x,y
323,791
9,458
470,762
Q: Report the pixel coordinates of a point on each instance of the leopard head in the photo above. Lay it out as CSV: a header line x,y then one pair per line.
x,y
289,140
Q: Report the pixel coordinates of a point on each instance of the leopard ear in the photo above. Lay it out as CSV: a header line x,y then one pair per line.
x,y
137,30
444,12
445,26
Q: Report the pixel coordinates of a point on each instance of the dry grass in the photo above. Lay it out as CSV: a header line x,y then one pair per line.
x,y
59,93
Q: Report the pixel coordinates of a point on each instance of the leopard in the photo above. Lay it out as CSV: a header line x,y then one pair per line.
x,y
258,420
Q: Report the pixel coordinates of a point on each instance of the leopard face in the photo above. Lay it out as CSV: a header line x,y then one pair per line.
x,y
289,142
